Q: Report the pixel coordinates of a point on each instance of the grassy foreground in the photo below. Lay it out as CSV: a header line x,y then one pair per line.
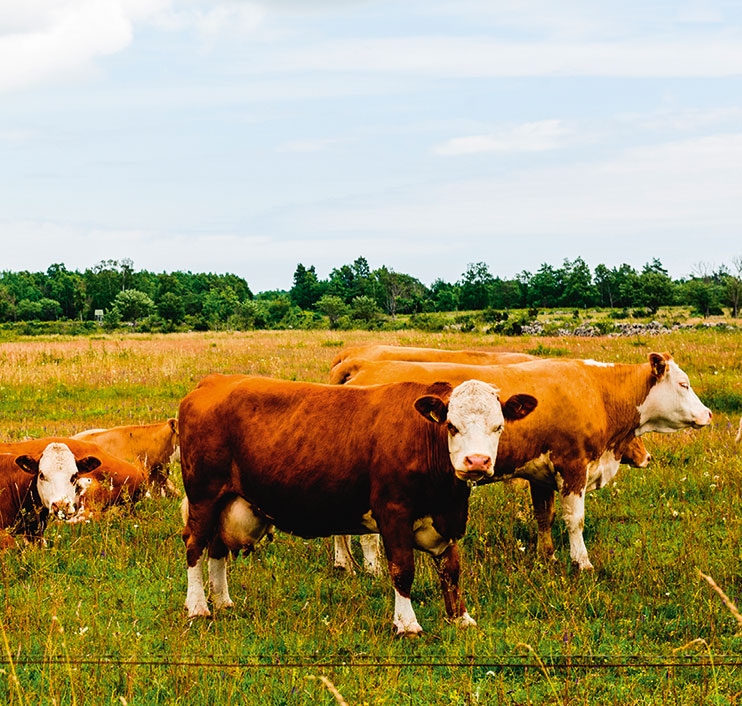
x,y
97,616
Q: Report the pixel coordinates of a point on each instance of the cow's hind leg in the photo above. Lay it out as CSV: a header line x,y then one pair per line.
x,y
543,510
343,555
371,547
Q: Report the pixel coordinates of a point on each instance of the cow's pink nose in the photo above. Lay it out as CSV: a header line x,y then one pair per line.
x,y
478,462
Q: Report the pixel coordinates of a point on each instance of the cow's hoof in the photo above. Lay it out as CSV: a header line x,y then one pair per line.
x,y
583,565
464,621
412,630
221,603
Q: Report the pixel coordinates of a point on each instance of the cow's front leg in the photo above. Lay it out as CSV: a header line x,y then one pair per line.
x,y
573,511
400,556
448,566
542,498
195,602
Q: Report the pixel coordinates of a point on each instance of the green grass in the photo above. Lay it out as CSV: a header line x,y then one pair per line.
x,y
97,616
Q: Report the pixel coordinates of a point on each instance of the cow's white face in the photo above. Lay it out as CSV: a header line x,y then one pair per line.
x,y
671,403
57,480
475,420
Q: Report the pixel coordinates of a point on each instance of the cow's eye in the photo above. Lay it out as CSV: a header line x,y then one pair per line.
x,y
498,429
452,430
685,385
41,476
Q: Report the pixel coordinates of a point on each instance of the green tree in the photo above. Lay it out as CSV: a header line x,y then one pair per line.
x,y
475,285
577,281
171,308
133,305
219,304
444,296
67,288
333,307
306,289
364,308
545,288
733,287
655,288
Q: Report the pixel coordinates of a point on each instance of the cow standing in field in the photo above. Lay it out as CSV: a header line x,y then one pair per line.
x,y
319,460
36,483
345,367
111,481
150,446
588,415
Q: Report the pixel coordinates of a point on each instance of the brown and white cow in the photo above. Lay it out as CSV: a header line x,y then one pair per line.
x,y
320,460
344,367
588,415
112,481
413,354
36,484
149,445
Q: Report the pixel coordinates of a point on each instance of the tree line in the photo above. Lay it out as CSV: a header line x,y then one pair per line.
x,y
112,293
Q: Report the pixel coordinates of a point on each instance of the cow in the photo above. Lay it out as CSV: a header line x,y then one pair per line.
x,y
36,483
344,366
588,415
111,481
379,351
152,446
319,460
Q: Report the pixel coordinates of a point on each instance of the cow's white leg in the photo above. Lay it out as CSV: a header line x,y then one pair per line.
x,y
218,583
371,546
196,597
573,511
404,616
343,557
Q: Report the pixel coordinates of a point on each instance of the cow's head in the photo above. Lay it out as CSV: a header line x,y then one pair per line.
x,y
475,419
670,404
58,477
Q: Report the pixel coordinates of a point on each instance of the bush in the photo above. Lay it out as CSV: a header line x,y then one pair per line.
x,y
432,322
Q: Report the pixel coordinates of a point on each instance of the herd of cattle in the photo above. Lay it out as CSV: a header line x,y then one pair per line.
x,y
391,448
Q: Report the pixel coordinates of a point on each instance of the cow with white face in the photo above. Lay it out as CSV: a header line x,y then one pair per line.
x,y
35,486
322,460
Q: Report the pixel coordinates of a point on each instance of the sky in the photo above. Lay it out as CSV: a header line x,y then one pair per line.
x,y
247,137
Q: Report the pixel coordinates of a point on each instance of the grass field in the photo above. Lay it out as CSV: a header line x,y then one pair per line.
x,y
97,617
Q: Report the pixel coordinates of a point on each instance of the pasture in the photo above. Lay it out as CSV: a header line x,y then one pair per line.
x,y
97,616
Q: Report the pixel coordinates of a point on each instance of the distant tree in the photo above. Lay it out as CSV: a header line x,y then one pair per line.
x,y
444,296
171,308
333,307
67,288
655,288
219,304
365,309
133,305
577,282
306,289
475,286
733,287
546,287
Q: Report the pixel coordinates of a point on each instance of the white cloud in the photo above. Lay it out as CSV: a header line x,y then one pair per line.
x,y
537,136
478,57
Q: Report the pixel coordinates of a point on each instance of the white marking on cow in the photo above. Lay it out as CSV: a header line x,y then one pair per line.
x,y
57,480
573,512
195,597
671,404
598,363
602,472
218,583
476,423
539,470
405,620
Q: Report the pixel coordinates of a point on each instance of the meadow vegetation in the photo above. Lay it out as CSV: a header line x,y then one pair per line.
x,y
97,616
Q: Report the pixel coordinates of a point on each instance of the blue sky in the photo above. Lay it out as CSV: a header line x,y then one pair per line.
x,y
248,137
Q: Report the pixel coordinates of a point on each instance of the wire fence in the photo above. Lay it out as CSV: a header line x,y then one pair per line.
x,y
552,663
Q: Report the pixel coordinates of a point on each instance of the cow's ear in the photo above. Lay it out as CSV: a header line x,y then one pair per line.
x,y
87,464
433,408
658,363
173,424
519,406
28,464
